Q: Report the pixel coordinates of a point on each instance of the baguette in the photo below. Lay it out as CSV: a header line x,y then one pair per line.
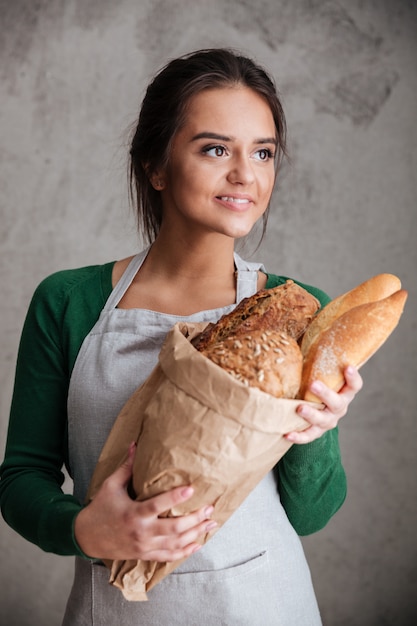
x,y
376,288
351,339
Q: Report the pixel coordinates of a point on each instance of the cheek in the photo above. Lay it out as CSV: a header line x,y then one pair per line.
x,y
267,185
186,179
271,178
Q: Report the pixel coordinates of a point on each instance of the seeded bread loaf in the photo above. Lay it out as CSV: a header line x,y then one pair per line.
x,y
267,359
288,308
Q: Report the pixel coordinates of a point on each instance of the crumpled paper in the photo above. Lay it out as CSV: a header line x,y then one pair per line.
x,y
193,424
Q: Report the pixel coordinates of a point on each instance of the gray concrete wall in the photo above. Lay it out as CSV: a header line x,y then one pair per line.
x,y
72,75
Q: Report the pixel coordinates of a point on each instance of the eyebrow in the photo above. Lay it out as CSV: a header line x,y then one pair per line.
x,y
217,137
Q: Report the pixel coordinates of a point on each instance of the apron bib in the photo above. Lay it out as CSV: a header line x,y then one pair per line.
x,y
253,571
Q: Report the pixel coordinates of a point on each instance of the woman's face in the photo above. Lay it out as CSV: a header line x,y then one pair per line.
x,y
220,174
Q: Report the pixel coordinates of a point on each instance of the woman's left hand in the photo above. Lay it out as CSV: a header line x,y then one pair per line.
x,y
335,407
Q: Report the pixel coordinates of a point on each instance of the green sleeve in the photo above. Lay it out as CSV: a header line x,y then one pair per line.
x,y
311,479
62,311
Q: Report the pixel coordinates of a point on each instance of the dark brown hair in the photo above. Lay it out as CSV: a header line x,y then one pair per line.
x,y
164,110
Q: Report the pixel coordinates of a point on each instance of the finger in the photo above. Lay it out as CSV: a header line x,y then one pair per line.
x,y
178,541
123,474
175,547
353,379
171,545
323,419
335,402
196,532
196,522
352,384
157,505
305,436
327,417
166,556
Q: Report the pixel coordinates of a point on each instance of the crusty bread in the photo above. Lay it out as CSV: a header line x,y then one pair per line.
x,y
350,340
376,288
269,360
257,342
288,308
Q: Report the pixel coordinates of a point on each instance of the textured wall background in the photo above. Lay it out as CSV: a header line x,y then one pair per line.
x,y
72,76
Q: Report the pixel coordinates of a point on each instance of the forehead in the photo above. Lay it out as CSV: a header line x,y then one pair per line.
x,y
230,110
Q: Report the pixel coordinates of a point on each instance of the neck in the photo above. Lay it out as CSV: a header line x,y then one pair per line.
x,y
210,258
182,279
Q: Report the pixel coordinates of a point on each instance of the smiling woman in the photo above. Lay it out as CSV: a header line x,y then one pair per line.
x,y
165,108
204,158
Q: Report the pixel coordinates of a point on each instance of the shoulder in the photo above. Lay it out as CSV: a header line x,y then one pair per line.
x,y
92,282
64,282
274,280
65,306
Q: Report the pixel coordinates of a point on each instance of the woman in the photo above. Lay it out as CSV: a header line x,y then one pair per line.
x,y
208,143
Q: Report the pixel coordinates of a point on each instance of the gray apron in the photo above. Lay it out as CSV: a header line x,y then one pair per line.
x,y
253,571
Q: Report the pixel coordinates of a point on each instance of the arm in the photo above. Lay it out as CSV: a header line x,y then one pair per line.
x,y
112,525
311,479
312,483
31,478
321,482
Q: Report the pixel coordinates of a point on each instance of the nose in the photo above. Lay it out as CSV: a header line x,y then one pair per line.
x,y
241,171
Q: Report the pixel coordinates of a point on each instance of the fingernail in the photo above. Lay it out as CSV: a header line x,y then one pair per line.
x,y
196,548
211,525
303,410
187,492
208,511
317,386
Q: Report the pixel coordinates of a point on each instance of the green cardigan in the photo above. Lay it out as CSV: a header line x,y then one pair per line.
x,y
64,308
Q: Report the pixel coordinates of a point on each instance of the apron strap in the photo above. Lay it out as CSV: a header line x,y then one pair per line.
x,y
126,280
247,277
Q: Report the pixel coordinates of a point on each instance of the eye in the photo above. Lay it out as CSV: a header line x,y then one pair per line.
x,y
215,151
264,154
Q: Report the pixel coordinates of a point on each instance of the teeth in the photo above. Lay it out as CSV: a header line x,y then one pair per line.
x,y
235,200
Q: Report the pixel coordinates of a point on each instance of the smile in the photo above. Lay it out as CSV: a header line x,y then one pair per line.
x,y
234,200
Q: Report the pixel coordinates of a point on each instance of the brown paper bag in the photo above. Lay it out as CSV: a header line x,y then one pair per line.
x,y
194,424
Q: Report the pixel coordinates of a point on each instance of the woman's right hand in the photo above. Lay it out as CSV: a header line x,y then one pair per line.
x,y
113,526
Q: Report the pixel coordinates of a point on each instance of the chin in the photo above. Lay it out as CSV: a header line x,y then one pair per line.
x,y
238,233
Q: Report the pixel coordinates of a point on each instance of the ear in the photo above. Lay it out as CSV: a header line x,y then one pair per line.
x,y
157,183
156,178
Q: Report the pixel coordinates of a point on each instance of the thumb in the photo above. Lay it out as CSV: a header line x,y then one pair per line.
x,y
123,473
